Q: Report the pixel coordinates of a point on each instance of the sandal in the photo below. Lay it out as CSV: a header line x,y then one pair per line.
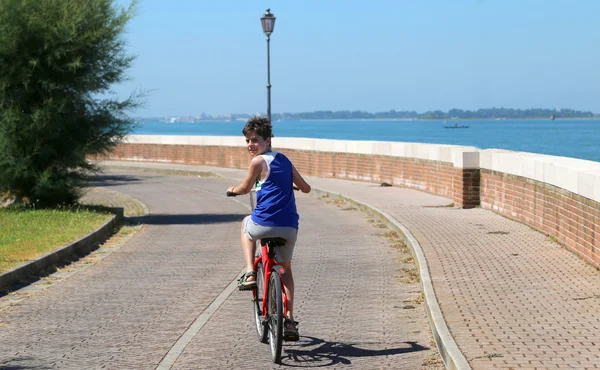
x,y
290,330
244,284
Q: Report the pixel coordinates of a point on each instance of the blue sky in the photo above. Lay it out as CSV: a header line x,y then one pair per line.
x,y
206,56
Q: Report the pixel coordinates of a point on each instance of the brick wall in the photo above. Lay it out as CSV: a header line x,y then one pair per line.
x,y
437,177
466,185
573,219
492,181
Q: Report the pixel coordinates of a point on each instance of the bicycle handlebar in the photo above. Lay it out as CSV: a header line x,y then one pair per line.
x,y
230,194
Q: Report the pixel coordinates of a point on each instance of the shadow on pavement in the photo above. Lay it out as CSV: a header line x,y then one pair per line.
x,y
13,364
332,353
114,180
189,219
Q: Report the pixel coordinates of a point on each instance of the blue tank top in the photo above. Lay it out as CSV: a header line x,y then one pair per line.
x,y
275,201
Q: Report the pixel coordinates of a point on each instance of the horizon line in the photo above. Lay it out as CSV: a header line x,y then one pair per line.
x,y
374,112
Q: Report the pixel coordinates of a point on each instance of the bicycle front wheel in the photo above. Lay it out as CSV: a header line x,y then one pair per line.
x,y
275,311
258,299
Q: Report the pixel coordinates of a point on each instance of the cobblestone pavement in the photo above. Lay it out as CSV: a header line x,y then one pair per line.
x,y
132,208
110,198
128,310
511,297
352,305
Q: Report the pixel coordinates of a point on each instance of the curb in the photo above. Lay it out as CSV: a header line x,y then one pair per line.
x,y
447,347
84,244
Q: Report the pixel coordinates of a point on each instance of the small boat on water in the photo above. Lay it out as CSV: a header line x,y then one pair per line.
x,y
456,125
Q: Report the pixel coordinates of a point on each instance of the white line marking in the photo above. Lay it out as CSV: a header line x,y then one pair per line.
x,y
171,357
169,360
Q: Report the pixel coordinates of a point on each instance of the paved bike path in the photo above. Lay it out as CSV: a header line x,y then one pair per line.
x,y
124,312
128,310
511,297
349,303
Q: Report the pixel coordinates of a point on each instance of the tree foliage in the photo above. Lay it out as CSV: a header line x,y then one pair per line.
x,y
58,61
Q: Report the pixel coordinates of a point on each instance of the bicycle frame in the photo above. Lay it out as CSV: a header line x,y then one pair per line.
x,y
267,257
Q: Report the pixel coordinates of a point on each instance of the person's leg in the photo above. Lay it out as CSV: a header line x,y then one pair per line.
x,y
284,258
249,248
284,255
290,329
288,286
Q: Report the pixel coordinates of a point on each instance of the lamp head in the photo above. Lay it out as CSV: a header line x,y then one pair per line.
x,y
268,22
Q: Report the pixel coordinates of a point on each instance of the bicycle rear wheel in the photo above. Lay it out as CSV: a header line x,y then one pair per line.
x,y
258,299
275,309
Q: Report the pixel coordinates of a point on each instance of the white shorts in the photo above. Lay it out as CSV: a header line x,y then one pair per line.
x,y
254,232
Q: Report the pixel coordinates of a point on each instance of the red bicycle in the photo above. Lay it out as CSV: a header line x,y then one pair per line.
x,y
268,297
270,301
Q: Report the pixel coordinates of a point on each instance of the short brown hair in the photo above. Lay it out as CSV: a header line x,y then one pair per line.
x,y
260,125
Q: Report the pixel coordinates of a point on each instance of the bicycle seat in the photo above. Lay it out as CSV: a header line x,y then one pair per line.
x,y
274,242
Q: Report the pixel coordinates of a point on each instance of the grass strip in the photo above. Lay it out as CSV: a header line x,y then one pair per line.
x,y
27,233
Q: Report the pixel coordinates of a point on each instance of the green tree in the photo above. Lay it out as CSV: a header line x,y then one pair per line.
x,y
58,61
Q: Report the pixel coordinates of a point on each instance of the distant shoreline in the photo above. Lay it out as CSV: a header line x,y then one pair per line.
x,y
449,120
391,115
441,119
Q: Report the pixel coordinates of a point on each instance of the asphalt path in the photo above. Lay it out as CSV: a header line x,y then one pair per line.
x,y
165,298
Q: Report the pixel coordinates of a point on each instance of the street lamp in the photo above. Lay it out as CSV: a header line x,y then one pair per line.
x,y
268,23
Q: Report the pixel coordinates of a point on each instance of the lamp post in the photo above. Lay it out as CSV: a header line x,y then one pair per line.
x,y
268,23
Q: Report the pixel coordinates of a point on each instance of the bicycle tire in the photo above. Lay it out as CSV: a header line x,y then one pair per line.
x,y
258,315
275,309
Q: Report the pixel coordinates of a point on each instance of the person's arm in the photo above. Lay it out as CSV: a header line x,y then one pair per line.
x,y
299,181
254,171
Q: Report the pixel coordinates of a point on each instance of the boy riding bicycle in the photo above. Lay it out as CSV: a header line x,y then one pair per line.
x,y
275,213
